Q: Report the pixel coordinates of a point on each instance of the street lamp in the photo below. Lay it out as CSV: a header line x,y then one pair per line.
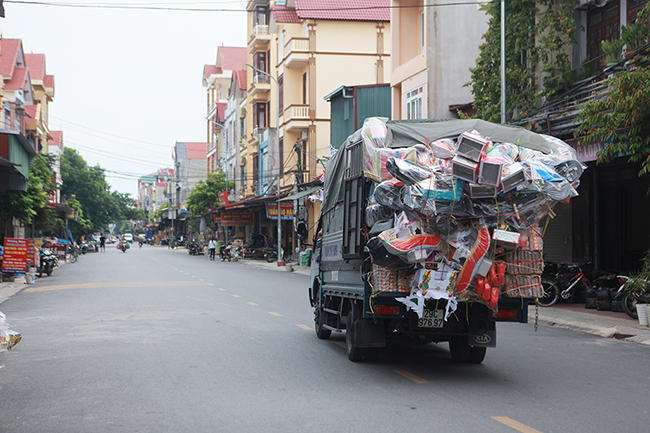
x,y
277,149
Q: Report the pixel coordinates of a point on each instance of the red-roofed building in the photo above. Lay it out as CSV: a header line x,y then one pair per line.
x,y
16,151
155,189
216,80
55,146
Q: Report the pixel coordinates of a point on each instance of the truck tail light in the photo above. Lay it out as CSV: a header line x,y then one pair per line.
x,y
386,310
506,314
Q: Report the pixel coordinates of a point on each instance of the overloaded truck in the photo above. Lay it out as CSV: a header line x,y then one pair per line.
x,y
431,231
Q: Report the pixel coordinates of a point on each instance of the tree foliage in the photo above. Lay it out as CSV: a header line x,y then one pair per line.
x,y
28,206
100,205
528,44
205,195
622,120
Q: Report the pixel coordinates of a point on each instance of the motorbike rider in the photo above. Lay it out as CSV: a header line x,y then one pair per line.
x,y
212,247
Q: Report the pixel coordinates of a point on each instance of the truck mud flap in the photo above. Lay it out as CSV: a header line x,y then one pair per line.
x,y
482,338
367,333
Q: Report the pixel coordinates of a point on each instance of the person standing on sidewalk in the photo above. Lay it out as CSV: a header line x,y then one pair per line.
x,y
212,247
102,243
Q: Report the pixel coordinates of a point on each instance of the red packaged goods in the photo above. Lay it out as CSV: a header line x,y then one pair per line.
x,y
388,280
478,251
523,286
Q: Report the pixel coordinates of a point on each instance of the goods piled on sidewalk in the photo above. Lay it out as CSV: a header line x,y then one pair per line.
x,y
455,208
8,338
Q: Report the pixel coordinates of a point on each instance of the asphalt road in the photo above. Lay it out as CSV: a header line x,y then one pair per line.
x,y
155,340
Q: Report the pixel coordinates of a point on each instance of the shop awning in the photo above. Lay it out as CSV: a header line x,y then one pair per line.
x,y
301,194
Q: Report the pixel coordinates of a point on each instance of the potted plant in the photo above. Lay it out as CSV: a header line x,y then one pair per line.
x,y
635,35
637,288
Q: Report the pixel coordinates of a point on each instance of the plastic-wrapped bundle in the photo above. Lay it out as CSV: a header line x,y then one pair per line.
x,y
407,171
381,257
569,169
376,212
560,148
387,194
444,149
507,151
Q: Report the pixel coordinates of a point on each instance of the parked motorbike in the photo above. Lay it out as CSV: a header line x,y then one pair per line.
x,y
194,249
230,252
271,255
47,263
252,253
635,291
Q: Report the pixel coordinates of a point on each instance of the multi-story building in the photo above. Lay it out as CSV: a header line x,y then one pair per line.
x,y
433,49
298,53
55,147
38,114
217,80
153,189
16,151
189,168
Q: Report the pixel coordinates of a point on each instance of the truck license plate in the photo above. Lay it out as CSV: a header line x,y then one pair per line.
x,y
431,319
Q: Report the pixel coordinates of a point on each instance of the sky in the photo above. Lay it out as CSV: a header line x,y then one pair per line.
x,y
128,83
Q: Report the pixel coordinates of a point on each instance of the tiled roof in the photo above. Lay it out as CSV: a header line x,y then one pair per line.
x,y
240,76
56,140
36,65
197,150
9,49
48,81
283,14
345,10
17,81
30,111
231,58
210,70
221,110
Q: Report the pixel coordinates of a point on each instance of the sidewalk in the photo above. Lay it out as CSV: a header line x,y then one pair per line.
x,y
570,316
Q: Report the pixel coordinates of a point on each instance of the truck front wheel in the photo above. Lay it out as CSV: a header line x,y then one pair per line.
x,y
321,332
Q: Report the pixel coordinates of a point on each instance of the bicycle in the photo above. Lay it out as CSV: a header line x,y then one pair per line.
x,y
561,281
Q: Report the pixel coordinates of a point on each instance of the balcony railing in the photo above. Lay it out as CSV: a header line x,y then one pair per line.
x,y
261,79
260,29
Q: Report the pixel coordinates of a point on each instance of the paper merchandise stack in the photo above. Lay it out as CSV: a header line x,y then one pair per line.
x,y
458,217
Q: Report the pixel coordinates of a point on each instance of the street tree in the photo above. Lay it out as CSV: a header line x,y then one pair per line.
x,y
205,194
534,36
29,206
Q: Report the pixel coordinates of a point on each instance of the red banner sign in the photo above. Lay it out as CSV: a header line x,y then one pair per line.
x,y
223,198
286,210
237,218
14,258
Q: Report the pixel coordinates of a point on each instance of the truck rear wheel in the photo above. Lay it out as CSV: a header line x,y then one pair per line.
x,y
355,353
463,353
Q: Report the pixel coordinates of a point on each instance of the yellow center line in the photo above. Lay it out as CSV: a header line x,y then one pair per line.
x,y
341,343
411,376
236,296
304,327
253,304
114,284
515,424
223,290
273,313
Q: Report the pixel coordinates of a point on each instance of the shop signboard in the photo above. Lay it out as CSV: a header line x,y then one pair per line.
x,y
217,218
237,218
286,210
14,258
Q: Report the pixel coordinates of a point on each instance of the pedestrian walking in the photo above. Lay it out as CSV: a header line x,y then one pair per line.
x,y
102,243
212,247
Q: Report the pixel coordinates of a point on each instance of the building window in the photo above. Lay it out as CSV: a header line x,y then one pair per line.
x,y
304,89
281,152
281,95
422,31
414,103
